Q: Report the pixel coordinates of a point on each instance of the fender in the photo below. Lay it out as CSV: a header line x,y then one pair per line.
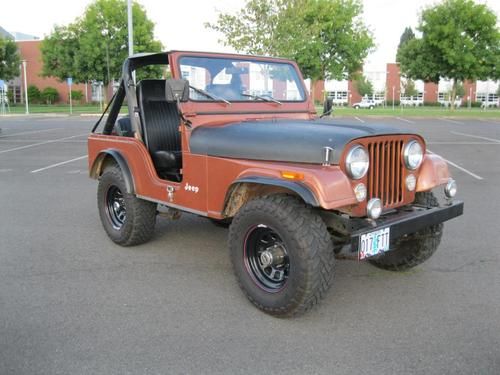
x,y
301,190
96,169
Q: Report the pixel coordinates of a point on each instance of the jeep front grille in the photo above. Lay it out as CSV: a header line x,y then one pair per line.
x,y
386,174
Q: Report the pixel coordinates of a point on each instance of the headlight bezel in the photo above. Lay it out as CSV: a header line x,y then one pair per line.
x,y
348,162
406,155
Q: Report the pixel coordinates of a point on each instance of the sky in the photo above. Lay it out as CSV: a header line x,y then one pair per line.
x,y
180,24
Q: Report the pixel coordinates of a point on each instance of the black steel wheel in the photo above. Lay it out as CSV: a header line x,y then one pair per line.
x,y
115,204
126,219
266,258
282,254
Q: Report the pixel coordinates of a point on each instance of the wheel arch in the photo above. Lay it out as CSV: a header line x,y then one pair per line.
x,y
244,189
111,155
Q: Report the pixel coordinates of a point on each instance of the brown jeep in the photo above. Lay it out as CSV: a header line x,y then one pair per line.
x,y
236,139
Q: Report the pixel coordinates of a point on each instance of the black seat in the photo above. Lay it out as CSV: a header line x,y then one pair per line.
x,y
160,124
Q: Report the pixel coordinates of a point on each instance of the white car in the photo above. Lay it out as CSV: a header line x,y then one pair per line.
x,y
370,104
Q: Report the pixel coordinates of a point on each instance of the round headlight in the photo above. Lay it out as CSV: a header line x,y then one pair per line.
x,y
357,162
413,155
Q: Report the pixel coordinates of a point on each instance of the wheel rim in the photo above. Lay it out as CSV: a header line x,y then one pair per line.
x,y
266,258
115,207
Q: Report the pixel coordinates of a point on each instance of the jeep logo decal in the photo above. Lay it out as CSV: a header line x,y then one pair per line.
x,y
192,188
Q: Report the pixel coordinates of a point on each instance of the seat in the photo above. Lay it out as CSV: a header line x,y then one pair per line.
x,y
160,124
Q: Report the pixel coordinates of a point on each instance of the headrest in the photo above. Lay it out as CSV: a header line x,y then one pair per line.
x,y
152,89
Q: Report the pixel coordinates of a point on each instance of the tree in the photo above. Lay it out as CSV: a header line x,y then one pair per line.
x,y
363,85
9,59
407,35
460,41
49,95
327,38
85,48
252,29
408,88
33,94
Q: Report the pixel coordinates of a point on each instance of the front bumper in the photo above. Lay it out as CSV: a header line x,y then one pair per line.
x,y
407,220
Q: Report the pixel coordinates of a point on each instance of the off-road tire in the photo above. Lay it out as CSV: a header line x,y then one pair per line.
x,y
138,225
416,248
309,248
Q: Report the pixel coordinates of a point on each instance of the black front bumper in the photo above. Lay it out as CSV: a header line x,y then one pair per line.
x,y
407,220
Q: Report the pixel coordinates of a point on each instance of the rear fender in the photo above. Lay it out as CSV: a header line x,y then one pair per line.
x,y
113,155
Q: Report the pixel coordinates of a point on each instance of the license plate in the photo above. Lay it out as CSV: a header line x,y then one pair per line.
x,y
374,243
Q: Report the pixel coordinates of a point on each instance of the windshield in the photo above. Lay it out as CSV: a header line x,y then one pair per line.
x,y
241,80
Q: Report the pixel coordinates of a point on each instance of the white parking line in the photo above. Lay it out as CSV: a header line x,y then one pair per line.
x,y
405,120
477,136
459,167
59,164
357,118
41,143
452,121
30,132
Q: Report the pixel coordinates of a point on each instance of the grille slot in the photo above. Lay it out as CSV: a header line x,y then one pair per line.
x,y
385,178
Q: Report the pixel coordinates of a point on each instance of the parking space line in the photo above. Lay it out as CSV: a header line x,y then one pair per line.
x,y
41,143
357,118
59,164
452,121
477,177
476,136
30,132
405,120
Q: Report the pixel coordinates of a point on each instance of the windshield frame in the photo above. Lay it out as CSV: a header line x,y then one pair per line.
x,y
249,58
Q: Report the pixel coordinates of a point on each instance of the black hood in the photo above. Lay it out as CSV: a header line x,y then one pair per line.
x,y
300,141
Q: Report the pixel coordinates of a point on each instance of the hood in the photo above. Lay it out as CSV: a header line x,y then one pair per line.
x,y
300,141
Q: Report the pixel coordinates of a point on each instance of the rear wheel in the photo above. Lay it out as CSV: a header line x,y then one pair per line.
x,y
413,249
282,255
126,219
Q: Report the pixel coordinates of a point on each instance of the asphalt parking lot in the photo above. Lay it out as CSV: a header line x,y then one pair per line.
x,y
72,302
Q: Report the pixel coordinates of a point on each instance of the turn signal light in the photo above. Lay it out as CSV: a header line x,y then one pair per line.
x,y
289,175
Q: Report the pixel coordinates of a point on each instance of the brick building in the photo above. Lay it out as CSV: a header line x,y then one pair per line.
x,y
29,51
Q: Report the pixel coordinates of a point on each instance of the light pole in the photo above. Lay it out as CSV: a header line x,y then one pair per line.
x,y
130,29
25,87
393,88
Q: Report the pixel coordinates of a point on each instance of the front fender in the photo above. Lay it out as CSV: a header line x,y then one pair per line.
x,y
300,189
433,172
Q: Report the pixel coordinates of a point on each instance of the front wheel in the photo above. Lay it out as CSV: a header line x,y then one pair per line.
x,y
282,255
413,249
126,219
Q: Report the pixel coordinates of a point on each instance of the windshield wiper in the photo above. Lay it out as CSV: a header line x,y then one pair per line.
x,y
266,98
209,95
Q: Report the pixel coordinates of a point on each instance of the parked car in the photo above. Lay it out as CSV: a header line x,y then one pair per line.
x,y
370,104
296,190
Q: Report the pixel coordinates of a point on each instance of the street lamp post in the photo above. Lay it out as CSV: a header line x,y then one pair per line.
x,y
25,87
393,94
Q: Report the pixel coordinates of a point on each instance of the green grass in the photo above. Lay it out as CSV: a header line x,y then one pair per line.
x,y
55,108
415,112
338,111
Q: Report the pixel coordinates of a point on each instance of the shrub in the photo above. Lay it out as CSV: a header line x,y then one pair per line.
x,y
389,103
432,104
33,94
476,104
49,95
76,95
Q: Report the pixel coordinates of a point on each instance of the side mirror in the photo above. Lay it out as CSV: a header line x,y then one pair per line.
x,y
177,90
